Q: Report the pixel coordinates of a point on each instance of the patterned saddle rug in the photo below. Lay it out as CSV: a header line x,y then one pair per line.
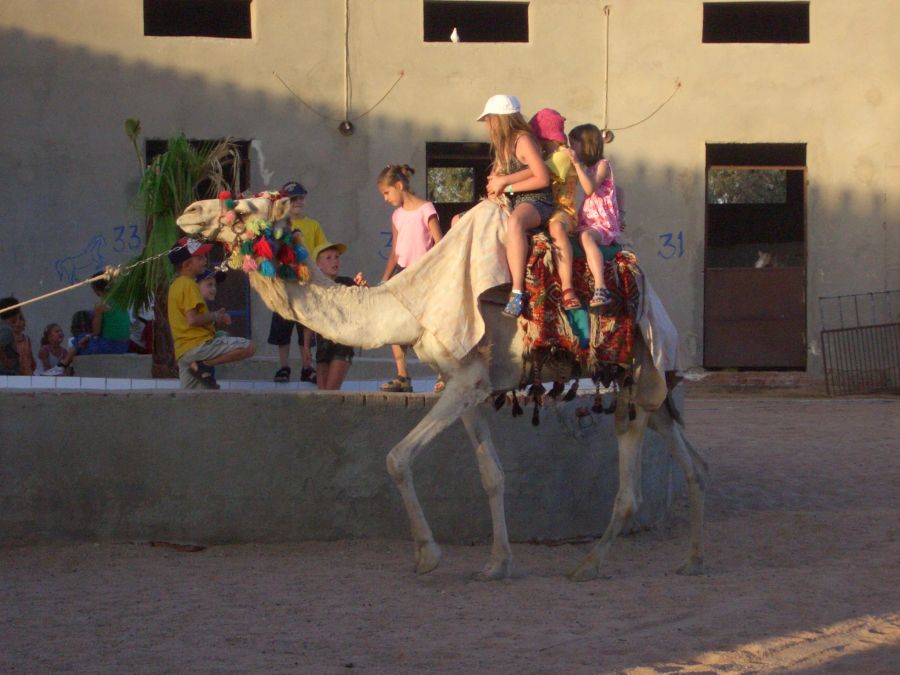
x,y
586,344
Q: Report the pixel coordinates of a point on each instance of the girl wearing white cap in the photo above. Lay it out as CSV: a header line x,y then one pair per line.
x,y
520,172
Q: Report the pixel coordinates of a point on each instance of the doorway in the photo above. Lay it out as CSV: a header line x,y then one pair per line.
x,y
754,299
456,177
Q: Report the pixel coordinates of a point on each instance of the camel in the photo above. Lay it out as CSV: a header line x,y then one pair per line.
x,y
374,316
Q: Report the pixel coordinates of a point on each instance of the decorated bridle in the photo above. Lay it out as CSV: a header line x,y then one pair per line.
x,y
259,246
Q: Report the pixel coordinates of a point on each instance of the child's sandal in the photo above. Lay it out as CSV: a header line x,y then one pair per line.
x,y
515,305
570,299
601,298
205,374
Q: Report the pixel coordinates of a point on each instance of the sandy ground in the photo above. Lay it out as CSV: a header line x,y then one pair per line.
x,y
802,554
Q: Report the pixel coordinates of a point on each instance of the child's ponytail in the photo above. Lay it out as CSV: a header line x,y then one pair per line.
x,y
396,173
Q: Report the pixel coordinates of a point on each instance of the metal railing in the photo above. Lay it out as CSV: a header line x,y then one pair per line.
x,y
861,342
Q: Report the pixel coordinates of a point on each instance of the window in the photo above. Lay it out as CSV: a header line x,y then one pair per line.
x,y
198,18
755,197
784,22
476,21
456,176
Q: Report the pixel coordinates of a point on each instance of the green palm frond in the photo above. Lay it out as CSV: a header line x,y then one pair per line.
x,y
170,183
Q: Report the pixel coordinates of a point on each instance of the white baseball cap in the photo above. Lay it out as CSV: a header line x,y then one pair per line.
x,y
500,104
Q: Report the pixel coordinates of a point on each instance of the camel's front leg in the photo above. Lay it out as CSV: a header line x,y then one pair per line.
x,y
627,498
465,390
498,567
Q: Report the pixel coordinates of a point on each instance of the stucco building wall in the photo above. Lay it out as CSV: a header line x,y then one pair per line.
x,y
74,70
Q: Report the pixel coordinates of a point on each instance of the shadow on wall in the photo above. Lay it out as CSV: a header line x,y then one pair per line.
x,y
71,174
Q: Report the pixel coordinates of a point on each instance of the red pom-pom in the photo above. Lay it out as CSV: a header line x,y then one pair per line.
x,y
224,194
262,248
286,255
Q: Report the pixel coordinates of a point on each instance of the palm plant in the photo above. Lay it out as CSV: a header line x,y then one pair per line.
x,y
185,172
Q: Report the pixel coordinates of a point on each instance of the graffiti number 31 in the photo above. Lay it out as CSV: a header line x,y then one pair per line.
x,y
672,245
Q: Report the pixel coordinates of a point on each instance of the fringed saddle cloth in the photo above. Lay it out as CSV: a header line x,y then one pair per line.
x,y
561,344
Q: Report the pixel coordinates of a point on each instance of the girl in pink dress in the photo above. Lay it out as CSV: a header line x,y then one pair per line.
x,y
414,229
598,216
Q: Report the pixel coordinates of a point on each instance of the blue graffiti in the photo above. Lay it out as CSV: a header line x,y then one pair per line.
x,y
90,260
668,249
119,242
385,250
83,264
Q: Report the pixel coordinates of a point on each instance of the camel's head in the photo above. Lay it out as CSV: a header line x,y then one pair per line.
x,y
209,218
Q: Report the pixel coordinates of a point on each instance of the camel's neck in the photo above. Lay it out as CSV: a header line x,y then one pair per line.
x,y
359,317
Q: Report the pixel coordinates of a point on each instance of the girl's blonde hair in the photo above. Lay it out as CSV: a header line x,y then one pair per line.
x,y
504,135
396,173
591,139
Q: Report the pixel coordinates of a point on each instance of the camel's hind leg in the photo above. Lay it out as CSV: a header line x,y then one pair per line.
x,y
695,473
466,389
498,567
627,498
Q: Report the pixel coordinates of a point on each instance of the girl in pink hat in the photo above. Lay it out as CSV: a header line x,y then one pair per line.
x,y
549,127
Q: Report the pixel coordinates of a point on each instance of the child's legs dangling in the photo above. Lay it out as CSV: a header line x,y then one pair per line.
x,y
523,218
591,247
562,250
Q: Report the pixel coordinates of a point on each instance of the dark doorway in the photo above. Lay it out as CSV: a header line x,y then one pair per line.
x,y
456,176
754,299
234,292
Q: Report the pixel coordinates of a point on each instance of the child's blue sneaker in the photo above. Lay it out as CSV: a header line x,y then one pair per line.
x,y
515,304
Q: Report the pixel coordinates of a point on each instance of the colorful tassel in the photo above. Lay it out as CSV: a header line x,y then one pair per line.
x,y
300,252
286,255
249,264
267,269
224,194
263,249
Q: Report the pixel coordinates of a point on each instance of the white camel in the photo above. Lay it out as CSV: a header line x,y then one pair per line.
x,y
372,317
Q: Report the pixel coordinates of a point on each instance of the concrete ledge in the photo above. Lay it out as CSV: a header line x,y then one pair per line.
x,y
368,366
219,467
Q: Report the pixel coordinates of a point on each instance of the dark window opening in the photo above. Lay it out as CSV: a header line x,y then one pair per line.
x,y
476,21
234,292
781,22
755,205
456,176
197,18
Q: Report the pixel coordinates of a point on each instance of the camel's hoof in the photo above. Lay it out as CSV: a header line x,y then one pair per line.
x,y
584,572
494,571
692,568
428,556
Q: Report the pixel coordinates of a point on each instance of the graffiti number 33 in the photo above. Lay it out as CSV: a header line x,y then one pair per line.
x,y
672,245
120,243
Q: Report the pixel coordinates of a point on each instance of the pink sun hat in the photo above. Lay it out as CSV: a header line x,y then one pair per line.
x,y
549,125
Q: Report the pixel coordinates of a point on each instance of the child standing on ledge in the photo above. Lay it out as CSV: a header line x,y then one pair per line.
x,y
415,230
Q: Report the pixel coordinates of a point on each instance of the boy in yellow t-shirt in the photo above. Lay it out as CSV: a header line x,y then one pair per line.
x,y
308,233
193,326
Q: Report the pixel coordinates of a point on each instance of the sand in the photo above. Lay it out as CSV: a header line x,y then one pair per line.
x,y
802,556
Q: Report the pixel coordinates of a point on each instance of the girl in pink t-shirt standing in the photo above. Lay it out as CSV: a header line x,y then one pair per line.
x,y
415,229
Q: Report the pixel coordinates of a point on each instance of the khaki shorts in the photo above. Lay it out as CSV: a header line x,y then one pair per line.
x,y
208,350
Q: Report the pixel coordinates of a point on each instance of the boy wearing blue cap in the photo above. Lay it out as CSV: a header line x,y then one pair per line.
x,y
309,234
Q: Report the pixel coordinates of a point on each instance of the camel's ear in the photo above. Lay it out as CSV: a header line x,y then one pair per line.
x,y
281,208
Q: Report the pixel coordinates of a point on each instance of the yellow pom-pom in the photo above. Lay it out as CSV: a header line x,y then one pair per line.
x,y
302,273
235,259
